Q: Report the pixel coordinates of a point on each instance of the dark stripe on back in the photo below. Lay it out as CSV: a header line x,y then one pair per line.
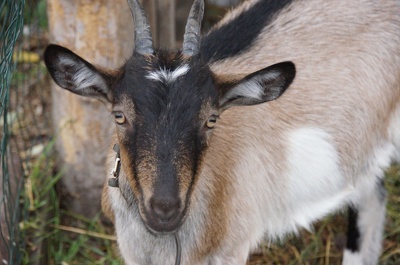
x,y
239,34
353,233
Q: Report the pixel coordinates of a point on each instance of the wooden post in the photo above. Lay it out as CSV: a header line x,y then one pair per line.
x,y
162,19
150,6
166,24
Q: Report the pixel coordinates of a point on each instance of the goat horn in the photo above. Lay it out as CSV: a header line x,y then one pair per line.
x,y
191,39
143,40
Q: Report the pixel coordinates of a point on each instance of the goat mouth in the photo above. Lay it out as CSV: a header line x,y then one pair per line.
x,y
158,226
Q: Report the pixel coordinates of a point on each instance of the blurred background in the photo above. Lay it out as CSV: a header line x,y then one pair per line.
x,y
53,143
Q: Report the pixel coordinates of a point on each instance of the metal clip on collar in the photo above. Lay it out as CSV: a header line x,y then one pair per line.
x,y
113,181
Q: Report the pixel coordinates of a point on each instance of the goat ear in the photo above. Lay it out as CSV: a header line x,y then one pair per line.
x,y
73,73
264,85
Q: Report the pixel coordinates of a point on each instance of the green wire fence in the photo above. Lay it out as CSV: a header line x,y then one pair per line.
x,y
11,185
24,122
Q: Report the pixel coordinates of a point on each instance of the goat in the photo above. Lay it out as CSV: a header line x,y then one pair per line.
x,y
201,159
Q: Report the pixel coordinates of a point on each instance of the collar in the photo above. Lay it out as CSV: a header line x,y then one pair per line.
x,y
113,181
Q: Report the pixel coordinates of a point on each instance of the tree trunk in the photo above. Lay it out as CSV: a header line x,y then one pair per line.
x,y
101,31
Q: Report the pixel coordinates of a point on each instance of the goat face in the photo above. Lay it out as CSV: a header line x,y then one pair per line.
x,y
164,110
165,107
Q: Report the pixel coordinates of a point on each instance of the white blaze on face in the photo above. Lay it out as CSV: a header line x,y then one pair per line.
x,y
164,75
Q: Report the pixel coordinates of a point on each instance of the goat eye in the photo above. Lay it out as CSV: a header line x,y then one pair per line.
x,y
119,118
211,121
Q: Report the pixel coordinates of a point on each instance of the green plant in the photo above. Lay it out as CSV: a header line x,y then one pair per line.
x,y
36,11
57,236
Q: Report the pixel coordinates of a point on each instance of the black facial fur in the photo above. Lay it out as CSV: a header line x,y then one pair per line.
x,y
167,114
238,35
167,126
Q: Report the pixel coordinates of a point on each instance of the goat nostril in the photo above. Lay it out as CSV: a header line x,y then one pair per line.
x,y
165,209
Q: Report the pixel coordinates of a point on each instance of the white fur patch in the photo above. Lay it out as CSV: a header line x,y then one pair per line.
x,y
251,88
316,186
84,76
351,258
371,221
164,75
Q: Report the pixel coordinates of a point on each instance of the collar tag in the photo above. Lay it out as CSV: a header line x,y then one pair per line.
x,y
113,181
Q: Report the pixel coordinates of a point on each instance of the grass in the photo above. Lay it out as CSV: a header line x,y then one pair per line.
x,y
54,235
67,238
82,241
